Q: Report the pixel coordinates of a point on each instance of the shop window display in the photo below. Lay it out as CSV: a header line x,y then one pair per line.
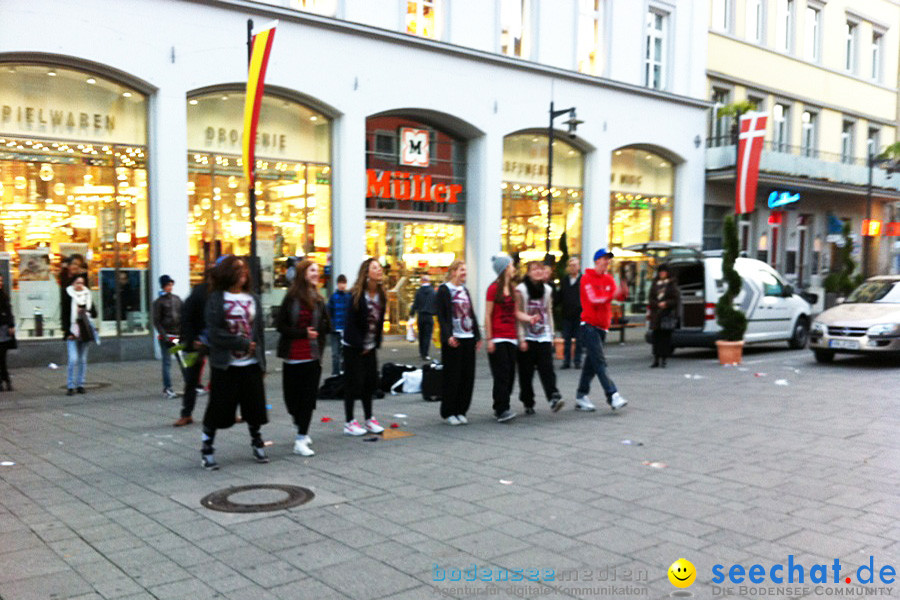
x,y
641,198
73,180
293,189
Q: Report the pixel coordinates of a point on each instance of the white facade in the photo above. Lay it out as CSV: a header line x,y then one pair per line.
x,y
362,66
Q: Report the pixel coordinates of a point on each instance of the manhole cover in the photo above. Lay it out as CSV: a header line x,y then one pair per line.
x,y
263,497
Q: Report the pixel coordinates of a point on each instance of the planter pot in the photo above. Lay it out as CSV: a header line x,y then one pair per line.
x,y
730,352
558,347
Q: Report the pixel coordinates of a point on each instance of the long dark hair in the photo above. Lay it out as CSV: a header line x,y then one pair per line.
x,y
504,284
301,290
227,274
362,282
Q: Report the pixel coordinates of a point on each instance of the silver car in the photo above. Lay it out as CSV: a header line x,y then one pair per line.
x,y
868,321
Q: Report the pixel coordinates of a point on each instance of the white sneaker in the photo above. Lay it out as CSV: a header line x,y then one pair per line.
x,y
462,419
373,426
617,401
452,420
301,447
353,428
584,403
201,391
169,393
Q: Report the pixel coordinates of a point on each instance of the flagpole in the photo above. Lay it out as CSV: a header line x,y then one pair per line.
x,y
251,184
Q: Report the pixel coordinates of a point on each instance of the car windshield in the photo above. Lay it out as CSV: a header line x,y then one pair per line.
x,y
885,292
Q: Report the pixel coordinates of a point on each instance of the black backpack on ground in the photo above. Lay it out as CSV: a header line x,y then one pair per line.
x,y
332,388
432,381
391,374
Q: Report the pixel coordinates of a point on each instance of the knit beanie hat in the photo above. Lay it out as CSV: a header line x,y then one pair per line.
x,y
500,262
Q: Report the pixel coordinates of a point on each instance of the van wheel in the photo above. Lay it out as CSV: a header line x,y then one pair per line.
x,y
800,335
824,356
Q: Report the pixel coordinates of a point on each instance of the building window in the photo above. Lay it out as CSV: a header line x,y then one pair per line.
x,y
721,15
719,127
327,8
877,42
655,58
422,18
847,141
784,26
515,30
713,218
781,127
812,34
590,37
850,30
808,134
873,142
642,189
755,21
759,102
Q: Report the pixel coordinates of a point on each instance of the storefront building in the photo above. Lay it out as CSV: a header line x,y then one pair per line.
x,y
133,158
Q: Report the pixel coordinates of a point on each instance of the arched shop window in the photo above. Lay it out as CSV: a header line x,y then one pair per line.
x,y
523,229
415,205
73,180
641,198
293,187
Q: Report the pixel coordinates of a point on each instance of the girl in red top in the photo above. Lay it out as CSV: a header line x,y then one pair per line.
x,y
500,318
303,324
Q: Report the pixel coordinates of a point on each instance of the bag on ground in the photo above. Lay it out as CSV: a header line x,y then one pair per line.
x,y
432,380
332,388
409,383
391,374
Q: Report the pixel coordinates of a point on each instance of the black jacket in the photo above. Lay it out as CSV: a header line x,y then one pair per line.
x,y
425,302
569,298
445,314
670,295
6,314
286,324
193,318
357,324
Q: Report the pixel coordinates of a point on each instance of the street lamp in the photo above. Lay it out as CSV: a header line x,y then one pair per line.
x,y
573,123
894,167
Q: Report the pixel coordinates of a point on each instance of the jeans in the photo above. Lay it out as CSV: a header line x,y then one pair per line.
x,y
571,328
166,364
77,363
425,322
593,339
337,353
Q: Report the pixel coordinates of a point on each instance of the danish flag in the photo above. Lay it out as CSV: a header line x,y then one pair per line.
x,y
750,144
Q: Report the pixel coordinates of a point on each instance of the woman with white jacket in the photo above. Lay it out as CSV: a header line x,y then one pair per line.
x,y
77,311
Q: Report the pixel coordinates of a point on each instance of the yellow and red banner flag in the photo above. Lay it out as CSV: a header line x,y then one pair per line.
x,y
261,47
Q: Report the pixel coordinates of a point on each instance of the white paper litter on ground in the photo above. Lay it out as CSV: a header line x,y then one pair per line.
x,y
7,463
694,376
53,366
505,482
781,382
400,416
654,464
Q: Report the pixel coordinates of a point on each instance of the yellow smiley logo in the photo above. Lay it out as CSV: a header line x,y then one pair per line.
x,y
682,573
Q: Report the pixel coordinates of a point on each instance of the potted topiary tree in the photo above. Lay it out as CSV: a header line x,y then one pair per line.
x,y
732,320
842,281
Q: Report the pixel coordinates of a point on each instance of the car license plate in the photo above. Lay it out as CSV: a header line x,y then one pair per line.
x,y
844,344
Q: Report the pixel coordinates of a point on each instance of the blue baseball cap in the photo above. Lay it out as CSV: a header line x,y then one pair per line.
x,y
602,253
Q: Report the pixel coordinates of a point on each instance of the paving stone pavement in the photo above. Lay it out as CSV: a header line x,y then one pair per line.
x,y
103,498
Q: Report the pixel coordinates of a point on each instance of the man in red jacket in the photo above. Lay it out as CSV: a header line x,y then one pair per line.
x,y
598,288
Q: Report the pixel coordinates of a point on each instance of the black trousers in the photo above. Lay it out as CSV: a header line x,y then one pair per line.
x,y
459,377
191,383
4,372
360,380
662,343
540,356
503,371
233,387
300,383
425,322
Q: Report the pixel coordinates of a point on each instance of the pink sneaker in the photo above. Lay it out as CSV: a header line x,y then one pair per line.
x,y
373,426
353,428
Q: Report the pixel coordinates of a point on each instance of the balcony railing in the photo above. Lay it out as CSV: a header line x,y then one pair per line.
x,y
801,161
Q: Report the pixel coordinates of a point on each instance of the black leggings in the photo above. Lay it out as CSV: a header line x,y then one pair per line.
x,y
503,371
4,373
662,343
458,378
300,382
360,380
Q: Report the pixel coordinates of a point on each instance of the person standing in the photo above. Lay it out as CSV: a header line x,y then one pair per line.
x,y
303,324
363,331
535,298
7,334
166,311
77,311
500,326
460,339
424,305
598,288
194,338
237,358
569,298
337,311
665,300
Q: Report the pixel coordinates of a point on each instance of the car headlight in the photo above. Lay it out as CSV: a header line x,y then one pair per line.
x,y
818,327
884,329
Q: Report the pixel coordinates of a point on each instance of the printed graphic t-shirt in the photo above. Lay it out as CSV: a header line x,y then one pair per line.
x,y
240,311
540,331
463,327
373,308
503,317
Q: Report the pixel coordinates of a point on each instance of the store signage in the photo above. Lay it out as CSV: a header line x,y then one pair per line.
x,y
31,116
225,137
626,179
874,227
776,217
398,185
777,199
415,147
516,168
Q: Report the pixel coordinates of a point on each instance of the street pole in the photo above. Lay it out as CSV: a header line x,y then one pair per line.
x,y
549,181
251,191
870,160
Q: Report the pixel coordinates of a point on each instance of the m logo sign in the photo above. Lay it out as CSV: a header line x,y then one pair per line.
x,y
414,147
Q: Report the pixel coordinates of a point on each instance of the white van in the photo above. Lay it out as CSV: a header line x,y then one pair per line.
x,y
774,312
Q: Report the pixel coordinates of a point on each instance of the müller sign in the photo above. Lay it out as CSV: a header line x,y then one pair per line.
x,y
398,185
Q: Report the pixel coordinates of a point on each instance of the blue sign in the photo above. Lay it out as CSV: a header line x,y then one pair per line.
x,y
777,199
